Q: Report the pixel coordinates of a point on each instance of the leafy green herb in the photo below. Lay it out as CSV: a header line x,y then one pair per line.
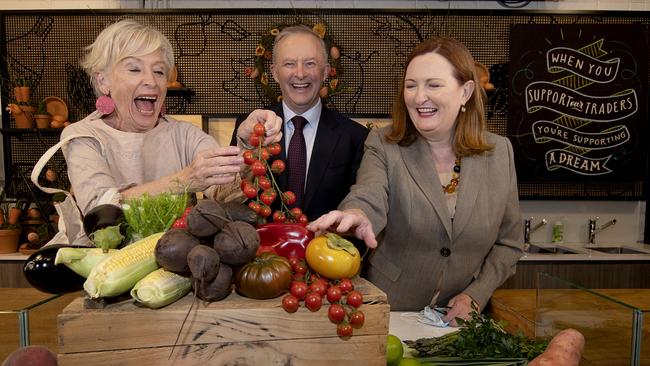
x,y
479,337
148,215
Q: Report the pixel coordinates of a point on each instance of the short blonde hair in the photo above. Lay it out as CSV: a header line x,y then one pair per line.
x,y
126,38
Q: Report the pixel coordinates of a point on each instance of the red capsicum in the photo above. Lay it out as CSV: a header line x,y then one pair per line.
x,y
285,239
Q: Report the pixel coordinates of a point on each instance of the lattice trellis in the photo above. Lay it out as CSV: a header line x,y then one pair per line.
x,y
212,48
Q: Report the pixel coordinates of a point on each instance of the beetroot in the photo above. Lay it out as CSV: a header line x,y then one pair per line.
x,y
237,243
172,249
206,218
204,263
236,211
219,288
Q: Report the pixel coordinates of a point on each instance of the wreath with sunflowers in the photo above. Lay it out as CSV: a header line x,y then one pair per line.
x,y
264,54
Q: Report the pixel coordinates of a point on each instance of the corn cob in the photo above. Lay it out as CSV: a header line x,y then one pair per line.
x,y
123,269
160,288
81,260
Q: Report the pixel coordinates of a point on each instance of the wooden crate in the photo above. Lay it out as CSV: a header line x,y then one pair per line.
x,y
234,331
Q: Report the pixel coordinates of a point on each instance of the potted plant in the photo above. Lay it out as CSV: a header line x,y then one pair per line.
x,y
42,116
22,118
10,229
22,91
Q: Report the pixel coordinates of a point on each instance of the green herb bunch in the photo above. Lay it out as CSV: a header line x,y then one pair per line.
x,y
148,215
480,337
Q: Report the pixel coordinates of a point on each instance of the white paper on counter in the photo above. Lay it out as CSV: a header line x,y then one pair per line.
x,y
405,326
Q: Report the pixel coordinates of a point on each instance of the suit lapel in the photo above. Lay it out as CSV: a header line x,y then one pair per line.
x,y
473,173
419,163
325,143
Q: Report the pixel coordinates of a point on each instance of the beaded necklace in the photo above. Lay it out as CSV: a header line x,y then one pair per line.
x,y
455,177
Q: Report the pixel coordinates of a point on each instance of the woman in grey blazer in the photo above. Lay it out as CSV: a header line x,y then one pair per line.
x,y
436,194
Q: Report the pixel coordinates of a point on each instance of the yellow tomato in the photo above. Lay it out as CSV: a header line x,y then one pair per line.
x,y
333,257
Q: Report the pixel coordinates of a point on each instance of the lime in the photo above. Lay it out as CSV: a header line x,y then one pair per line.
x,y
394,350
407,361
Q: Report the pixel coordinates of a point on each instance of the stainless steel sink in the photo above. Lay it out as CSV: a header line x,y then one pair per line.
x,y
550,249
615,249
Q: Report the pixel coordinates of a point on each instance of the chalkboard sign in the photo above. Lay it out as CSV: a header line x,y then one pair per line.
x,y
578,102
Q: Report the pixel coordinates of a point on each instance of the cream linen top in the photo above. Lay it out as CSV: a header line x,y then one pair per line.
x,y
115,160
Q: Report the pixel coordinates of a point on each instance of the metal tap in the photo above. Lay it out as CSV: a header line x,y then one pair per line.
x,y
528,230
593,230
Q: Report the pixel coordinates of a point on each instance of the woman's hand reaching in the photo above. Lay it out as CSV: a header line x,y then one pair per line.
x,y
211,167
460,306
352,221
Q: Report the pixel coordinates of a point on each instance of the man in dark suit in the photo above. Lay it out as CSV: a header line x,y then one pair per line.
x,y
334,143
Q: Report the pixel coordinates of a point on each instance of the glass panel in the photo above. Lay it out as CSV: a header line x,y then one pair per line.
x,y
645,338
39,309
606,323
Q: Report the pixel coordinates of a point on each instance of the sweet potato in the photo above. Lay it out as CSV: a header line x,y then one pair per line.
x,y
206,218
565,349
237,243
173,248
31,355
204,263
219,288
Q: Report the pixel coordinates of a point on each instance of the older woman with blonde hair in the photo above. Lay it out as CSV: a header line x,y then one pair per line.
x,y
443,236
128,147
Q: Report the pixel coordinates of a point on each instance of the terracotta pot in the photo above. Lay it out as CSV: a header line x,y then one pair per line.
x,y
9,240
23,119
28,112
42,120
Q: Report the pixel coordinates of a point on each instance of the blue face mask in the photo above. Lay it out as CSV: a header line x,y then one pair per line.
x,y
433,317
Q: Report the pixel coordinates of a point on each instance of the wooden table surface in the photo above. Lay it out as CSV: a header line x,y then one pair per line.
x,y
42,319
604,320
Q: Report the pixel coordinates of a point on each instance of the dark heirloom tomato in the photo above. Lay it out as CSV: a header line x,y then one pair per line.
x,y
265,277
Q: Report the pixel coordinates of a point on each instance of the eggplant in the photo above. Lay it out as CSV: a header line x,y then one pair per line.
x,y
103,216
41,272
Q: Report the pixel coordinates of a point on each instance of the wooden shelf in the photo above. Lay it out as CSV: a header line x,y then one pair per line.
x,y
29,131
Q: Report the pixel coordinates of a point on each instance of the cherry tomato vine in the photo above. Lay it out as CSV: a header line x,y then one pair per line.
x,y
312,289
262,189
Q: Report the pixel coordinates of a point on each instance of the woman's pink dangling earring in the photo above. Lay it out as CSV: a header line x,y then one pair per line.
x,y
163,111
105,105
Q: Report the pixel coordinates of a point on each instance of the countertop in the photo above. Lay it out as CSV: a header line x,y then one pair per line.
x,y
405,326
13,257
603,316
587,252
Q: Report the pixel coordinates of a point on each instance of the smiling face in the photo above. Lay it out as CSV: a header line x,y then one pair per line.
x,y
299,68
433,96
138,86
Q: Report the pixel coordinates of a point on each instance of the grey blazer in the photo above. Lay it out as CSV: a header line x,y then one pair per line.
x,y
421,252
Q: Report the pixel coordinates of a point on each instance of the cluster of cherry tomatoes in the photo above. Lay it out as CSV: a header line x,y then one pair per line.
x,y
344,301
262,189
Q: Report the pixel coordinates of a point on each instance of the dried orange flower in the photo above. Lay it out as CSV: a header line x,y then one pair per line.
x,y
259,50
320,29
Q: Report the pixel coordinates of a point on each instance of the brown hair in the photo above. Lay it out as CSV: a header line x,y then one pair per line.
x,y
469,134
